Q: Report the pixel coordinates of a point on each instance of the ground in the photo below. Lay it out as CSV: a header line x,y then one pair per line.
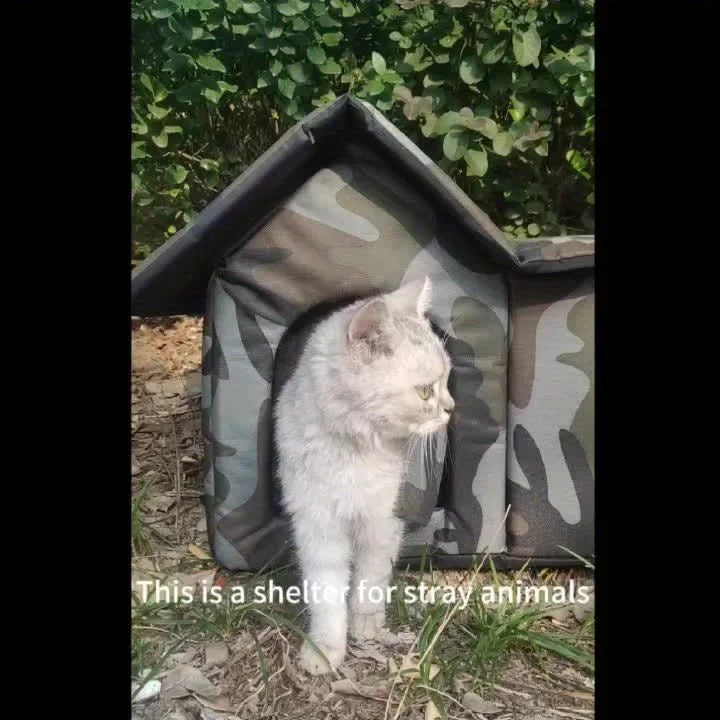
x,y
205,661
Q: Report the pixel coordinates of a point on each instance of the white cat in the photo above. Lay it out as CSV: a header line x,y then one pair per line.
x,y
371,379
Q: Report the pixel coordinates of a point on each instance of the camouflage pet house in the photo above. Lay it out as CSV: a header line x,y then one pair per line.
x,y
343,204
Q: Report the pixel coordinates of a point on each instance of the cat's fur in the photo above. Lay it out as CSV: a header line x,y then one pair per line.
x,y
344,420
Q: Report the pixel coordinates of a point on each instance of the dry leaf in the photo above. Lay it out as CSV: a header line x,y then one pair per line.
x,y
472,701
348,672
392,667
147,692
431,711
199,552
434,670
409,666
348,687
161,502
365,650
221,703
393,639
186,680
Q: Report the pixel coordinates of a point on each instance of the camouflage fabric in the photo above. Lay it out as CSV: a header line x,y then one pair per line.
x,y
353,228
551,416
520,335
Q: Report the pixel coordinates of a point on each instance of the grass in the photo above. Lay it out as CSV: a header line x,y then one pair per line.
x,y
473,644
477,648
141,542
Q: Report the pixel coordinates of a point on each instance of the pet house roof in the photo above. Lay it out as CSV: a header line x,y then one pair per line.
x,y
173,280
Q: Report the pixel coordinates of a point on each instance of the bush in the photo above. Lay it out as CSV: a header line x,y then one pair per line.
x,y
498,92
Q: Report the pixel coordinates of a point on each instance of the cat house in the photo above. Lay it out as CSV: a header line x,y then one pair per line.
x,y
345,204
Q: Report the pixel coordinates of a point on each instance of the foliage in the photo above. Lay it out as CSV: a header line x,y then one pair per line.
x,y
498,92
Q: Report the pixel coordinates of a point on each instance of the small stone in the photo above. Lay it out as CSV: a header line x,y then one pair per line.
x,y
216,654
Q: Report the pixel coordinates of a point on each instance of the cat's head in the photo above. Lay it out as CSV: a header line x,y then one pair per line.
x,y
398,366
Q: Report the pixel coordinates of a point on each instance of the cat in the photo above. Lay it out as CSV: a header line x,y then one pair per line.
x,y
370,381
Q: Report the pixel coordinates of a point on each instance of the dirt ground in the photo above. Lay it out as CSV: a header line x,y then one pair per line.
x,y
207,665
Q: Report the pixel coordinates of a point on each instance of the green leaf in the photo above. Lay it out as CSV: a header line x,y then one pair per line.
x,y
212,94
137,150
471,70
287,87
502,143
581,94
299,25
391,77
456,3
264,79
455,143
163,10
251,8
494,52
526,46
240,29
172,130
332,39
299,72
210,62
428,127
227,87
316,55
180,27
448,40
477,162
286,9
175,174
200,4
375,87
161,140
378,63
273,32
147,82
325,21
542,149
178,61
564,13
158,112
448,120
533,229
139,128
330,67
484,125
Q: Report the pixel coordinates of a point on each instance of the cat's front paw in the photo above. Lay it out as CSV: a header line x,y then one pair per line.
x,y
366,625
311,661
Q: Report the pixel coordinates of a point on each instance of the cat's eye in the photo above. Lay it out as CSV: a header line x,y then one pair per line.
x,y
424,391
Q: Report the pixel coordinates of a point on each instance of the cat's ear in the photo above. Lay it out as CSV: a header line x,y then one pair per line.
x,y
368,323
413,297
